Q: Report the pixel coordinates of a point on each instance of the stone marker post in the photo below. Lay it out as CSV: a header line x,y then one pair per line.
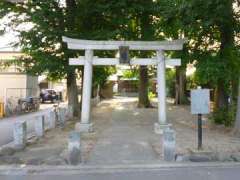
x,y
46,122
52,120
55,110
70,111
39,126
61,117
20,134
169,143
74,151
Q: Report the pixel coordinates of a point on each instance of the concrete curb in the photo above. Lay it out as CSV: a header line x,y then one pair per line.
x,y
24,170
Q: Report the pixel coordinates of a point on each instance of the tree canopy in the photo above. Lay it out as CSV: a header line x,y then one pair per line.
x,y
211,27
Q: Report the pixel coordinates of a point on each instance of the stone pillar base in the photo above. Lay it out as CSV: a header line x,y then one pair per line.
x,y
159,128
39,126
84,127
169,144
20,134
74,148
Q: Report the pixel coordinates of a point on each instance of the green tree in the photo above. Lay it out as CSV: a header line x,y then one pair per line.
x,y
214,25
145,17
42,42
212,28
121,20
168,25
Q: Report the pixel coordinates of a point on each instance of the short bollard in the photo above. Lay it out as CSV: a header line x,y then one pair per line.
x,y
20,134
169,143
52,122
70,112
74,152
46,122
39,126
61,117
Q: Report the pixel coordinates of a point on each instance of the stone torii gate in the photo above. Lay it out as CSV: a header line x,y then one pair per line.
x,y
89,60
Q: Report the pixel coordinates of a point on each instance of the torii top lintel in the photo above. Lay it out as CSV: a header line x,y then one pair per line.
x,y
79,44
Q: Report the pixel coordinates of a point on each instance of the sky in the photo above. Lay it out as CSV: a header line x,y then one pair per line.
x,y
6,40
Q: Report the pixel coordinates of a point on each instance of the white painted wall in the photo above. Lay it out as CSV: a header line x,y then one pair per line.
x,y
32,85
16,85
11,81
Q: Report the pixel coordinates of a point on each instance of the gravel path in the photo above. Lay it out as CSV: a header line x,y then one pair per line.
x,y
124,134
126,139
123,128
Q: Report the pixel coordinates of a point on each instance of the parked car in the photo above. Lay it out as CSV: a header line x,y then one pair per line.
x,y
49,95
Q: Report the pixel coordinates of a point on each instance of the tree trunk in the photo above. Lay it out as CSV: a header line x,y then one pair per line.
x,y
71,12
72,92
147,33
227,43
237,121
220,97
143,100
234,94
180,90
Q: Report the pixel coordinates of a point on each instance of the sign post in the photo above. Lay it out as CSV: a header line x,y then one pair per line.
x,y
200,104
199,131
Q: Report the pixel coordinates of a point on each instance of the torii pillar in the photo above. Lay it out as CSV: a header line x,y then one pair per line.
x,y
161,90
85,125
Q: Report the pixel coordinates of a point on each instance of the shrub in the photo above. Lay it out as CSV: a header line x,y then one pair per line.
x,y
225,116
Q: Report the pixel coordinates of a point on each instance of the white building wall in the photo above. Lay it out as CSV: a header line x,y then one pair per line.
x,y
32,85
9,83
